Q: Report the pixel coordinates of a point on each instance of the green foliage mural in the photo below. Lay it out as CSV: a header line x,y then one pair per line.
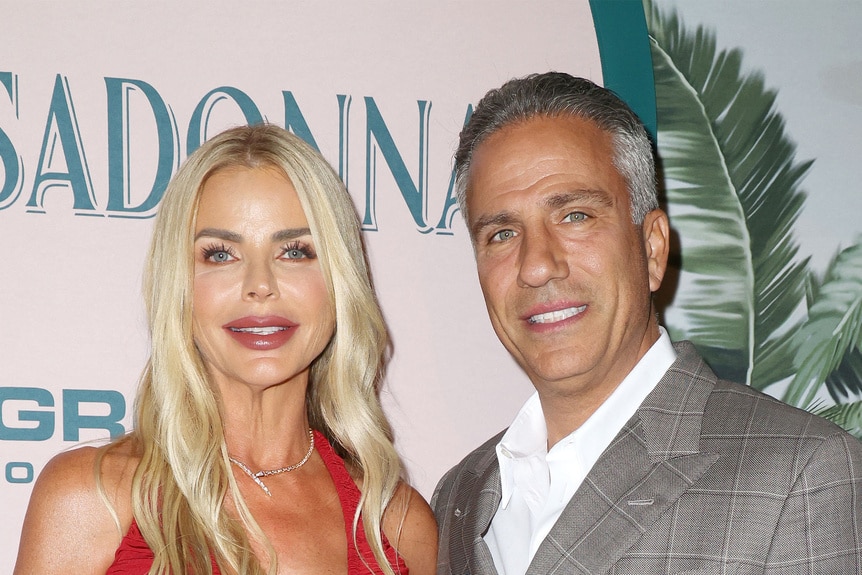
x,y
742,293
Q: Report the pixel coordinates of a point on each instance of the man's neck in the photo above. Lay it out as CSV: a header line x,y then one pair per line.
x,y
567,405
564,413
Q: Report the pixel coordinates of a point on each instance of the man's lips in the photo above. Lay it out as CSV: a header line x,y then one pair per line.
x,y
555,315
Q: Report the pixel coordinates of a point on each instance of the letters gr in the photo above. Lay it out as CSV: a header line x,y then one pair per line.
x,y
32,416
62,165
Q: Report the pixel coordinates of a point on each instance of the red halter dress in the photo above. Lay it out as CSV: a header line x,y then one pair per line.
x,y
134,557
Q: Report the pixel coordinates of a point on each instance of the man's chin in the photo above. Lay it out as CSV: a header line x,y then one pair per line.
x,y
559,375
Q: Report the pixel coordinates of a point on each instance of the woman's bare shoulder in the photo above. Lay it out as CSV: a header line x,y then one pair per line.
x,y
73,477
410,526
69,526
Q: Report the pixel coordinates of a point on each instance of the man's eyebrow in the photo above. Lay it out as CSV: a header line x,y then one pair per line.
x,y
555,201
586,196
229,236
493,220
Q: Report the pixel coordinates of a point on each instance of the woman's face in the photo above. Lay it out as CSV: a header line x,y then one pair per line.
x,y
261,312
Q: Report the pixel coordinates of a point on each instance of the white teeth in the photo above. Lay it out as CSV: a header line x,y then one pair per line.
x,y
559,315
258,330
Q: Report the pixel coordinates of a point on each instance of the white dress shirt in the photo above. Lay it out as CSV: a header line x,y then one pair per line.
x,y
537,483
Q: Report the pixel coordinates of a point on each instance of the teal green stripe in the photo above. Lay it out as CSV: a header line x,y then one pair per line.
x,y
623,40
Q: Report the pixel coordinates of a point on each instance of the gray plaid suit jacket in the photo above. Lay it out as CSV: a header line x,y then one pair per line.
x,y
707,477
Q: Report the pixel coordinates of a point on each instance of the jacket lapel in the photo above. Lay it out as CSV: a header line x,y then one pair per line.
x,y
653,460
477,502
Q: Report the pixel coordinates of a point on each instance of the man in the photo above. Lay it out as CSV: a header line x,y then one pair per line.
x,y
631,457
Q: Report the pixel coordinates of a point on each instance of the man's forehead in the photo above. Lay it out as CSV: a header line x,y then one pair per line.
x,y
541,148
541,122
529,139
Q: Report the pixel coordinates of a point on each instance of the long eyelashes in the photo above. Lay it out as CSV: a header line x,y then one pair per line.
x,y
217,253
298,250
221,253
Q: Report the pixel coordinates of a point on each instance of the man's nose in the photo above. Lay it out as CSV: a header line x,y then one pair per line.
x,y
542,258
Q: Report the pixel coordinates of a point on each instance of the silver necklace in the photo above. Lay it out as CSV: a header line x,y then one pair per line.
x,y
256,476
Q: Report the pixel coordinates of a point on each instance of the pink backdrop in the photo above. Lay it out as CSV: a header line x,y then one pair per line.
x,y
75,75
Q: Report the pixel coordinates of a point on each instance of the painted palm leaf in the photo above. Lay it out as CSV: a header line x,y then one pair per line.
x,y
846,380
731,186
828,344
847,415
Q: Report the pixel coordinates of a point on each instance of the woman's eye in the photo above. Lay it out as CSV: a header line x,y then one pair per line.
x,y
217,254
297,251
575,217
503,236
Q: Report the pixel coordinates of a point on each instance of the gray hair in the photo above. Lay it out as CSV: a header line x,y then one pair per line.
x,y
556,94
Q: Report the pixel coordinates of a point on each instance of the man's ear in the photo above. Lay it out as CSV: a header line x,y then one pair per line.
x,y
656,233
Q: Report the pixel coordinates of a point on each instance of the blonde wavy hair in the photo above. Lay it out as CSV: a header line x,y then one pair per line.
x,y
184,475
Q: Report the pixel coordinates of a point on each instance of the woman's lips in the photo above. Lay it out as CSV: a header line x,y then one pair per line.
x,y
261,333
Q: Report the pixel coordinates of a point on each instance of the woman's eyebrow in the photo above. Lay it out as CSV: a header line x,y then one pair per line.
x,y
220,234
290,234
229,236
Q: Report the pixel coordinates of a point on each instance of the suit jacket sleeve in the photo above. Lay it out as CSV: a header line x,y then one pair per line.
x,y
820,526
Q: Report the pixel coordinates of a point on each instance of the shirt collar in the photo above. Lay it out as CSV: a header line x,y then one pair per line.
x,y
528,434
526,437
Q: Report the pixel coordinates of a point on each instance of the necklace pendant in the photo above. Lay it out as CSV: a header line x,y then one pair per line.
x,y
262,485
256,476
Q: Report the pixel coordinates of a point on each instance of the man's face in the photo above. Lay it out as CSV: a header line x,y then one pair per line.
x,y
567,276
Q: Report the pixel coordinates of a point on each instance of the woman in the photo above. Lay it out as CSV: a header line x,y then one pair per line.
x,y
267,346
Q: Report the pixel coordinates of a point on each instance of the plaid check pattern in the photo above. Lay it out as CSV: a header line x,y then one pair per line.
x,y
708,477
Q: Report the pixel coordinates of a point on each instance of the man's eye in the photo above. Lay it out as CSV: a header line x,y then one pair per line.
x,y
575,217
503,236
